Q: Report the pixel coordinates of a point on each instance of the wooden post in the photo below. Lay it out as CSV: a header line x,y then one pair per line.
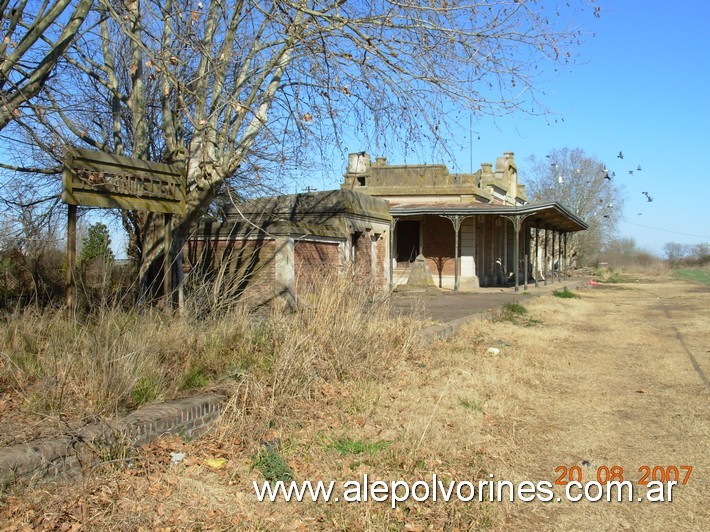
x,y
71,259
167,269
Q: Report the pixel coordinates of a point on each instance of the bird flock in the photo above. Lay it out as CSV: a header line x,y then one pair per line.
x,y
648,196
610,175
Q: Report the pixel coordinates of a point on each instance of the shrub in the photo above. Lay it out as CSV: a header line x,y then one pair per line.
x,y
515,309
271,464
565,293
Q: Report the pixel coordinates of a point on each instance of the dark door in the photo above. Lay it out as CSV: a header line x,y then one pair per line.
x,y
407,240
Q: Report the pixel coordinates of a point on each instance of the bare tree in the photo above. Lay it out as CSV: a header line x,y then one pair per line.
x,y
35,35
587,188
675,252
236,90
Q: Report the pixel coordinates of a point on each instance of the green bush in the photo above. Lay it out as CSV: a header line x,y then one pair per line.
x,y
515,308
271,464
565,293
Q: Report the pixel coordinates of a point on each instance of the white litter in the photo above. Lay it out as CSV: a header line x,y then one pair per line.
x,y
176,458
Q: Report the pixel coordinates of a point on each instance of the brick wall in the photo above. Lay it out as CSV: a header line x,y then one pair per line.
x,y
243,268
81,450
313,260
363,255
438,245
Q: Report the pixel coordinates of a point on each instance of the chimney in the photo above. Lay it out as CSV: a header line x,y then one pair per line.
x,y
358,163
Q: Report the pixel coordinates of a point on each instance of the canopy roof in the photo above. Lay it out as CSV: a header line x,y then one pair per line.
x,y
549,215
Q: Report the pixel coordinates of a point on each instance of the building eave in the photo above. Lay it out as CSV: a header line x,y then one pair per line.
x,y
549,215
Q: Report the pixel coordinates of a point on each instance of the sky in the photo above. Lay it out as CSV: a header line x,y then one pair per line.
x,y
641,86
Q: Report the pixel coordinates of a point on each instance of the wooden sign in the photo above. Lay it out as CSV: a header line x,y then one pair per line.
x,y
99,179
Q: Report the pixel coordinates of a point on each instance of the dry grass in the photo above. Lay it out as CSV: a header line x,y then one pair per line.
x,y
54,371
602,378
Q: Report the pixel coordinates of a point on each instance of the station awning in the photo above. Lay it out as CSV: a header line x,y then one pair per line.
x,y
550,215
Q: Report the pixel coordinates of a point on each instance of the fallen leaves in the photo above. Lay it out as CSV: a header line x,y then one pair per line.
x,y
216,463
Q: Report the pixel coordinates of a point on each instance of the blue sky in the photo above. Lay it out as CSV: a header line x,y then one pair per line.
x,y
642,85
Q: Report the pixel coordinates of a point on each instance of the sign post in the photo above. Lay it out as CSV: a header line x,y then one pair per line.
x,y
71,257
98,179
167,262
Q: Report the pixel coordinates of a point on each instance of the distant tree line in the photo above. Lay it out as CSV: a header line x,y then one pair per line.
x,y
687,254
625,253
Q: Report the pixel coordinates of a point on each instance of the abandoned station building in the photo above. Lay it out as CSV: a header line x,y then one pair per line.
x,y
473,230
272,247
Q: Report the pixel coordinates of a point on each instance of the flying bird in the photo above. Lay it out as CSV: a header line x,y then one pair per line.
x,y
631,172
607,176
621,155
607,216
638,168
554,165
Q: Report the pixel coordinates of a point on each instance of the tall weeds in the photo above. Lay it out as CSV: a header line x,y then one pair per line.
x,y
113,360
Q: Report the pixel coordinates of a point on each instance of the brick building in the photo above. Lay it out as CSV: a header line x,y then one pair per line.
x,y
474,229
274,247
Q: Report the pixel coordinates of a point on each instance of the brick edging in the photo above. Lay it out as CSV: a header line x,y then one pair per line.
x,y
74,451
449,328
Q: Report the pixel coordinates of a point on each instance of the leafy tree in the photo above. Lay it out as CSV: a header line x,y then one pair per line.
x,y
583,185
241,91
97,244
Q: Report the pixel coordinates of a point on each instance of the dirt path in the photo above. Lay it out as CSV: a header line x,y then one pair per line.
x,y
618,378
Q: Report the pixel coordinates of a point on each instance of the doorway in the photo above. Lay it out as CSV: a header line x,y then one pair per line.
x,y
408,232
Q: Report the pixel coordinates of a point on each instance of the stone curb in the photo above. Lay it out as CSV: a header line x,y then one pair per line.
x,y
449,328
71,453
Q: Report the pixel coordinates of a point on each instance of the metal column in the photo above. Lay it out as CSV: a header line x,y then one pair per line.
x,y
393,223
456,220
553,257
544,258
516,220
537,255
559,256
